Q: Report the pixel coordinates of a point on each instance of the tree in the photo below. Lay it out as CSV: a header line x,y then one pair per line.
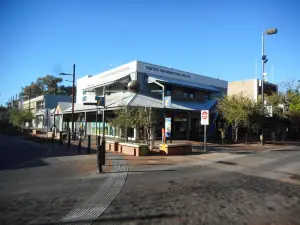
x,y
49,84
141,118
19,118
237,111
30,91
66,90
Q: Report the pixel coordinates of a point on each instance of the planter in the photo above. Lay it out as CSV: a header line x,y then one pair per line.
x,y
112,145
175,149
133,149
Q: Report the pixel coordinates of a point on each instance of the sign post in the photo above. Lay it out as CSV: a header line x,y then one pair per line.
x,y
168,128
205,122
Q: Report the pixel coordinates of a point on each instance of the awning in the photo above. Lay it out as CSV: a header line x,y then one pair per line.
x,y
147,101
152,79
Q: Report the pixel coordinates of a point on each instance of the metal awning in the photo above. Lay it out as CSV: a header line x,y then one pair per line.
x,y
163,80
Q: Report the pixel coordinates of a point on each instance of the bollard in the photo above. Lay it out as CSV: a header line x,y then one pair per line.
x,y
60,138
88,151
69,140
74,135
99,165
79,146
103,143
98,140
53,135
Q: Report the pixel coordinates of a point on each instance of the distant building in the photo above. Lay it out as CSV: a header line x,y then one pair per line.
x,y
41,107
251,88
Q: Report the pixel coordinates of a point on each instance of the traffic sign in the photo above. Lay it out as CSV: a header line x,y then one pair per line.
x,y
204,117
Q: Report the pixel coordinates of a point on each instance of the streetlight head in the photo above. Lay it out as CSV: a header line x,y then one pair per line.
x,y
64,74
271,31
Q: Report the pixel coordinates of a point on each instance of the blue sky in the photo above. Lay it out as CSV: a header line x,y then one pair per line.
x,y
216,38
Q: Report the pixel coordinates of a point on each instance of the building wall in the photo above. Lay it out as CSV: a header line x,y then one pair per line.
x,y
246,88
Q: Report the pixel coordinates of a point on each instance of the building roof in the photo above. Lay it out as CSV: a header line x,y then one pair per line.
x,y
113,101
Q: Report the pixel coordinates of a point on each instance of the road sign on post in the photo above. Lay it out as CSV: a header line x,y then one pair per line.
x,y
205,122
204,117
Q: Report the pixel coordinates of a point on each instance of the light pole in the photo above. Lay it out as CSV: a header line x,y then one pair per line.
x,y
73,93
264,60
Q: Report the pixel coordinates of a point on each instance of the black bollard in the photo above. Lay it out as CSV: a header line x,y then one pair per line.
x,y
74,135
69,139
53,135
103,143
98,140
99,165
79,146
60,138
88,151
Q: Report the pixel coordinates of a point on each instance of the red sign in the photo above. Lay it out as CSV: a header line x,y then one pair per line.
x,y
204,117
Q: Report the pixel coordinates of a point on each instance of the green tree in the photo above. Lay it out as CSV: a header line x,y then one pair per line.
x,y
49,84
19,118
238,111
30,91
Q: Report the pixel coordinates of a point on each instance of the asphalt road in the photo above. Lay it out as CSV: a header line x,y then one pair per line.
x,y
15,152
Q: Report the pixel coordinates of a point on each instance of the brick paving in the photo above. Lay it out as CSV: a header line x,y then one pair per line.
x,y
200,195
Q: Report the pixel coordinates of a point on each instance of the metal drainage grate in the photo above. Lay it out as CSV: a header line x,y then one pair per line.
x,y
227,163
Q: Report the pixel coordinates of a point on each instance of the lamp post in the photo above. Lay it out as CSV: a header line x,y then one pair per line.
x,y
73,93
264,60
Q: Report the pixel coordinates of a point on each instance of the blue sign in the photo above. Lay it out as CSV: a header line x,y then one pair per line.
x,y
100,100
167,101
168,128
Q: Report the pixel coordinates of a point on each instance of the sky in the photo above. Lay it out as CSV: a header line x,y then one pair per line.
x,y
216,38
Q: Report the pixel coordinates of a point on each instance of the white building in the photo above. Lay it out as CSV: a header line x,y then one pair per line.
x,y
190,93
41,107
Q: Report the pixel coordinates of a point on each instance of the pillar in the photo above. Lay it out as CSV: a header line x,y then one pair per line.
x,y
188,130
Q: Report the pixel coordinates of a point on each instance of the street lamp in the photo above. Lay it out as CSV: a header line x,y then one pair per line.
x,y
73,93
264,60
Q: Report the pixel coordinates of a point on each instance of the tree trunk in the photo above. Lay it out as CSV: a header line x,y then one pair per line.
x,y
236,134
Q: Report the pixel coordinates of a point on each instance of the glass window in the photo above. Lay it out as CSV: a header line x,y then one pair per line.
x,y
84,98
168,93
83,92
192,95
185,94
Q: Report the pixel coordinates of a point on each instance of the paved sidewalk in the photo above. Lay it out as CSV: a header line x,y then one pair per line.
x,y
60,188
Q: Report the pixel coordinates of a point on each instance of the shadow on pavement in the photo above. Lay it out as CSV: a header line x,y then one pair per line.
x,y
31,157
115,219
143,171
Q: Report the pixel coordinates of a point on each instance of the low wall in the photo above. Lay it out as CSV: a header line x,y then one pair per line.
x,y
111,146
133,149
175,149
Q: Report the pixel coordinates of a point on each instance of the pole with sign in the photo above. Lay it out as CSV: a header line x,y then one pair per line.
x,y
205,122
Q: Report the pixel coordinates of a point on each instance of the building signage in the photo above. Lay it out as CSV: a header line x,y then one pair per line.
x,y
163,71
168,128
100,100
167,101
111,75
204,117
